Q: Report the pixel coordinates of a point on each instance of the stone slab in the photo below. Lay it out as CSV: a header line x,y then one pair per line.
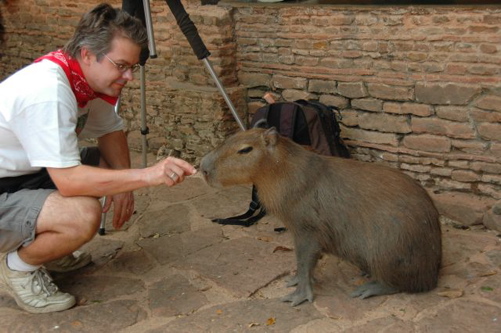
x,y
261,315
241,265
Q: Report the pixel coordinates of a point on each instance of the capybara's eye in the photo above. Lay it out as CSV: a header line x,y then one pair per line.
x,y
245,150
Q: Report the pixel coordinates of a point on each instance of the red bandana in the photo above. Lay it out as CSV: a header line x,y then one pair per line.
x,y
83,92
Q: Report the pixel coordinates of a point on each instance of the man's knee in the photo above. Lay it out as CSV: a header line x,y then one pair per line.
x,y
76,217
90,213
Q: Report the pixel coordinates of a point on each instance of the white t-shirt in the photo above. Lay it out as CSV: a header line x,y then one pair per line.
x,y
39,117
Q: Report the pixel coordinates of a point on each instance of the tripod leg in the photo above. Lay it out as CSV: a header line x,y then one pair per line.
x,y
144,127
149,29
223,93
102,227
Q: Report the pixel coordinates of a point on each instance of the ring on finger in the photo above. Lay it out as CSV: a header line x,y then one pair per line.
x,y
173,176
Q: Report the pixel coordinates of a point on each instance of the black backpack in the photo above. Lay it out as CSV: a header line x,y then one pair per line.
x,y
309,123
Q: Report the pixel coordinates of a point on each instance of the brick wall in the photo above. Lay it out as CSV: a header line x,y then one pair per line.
x,y
419,87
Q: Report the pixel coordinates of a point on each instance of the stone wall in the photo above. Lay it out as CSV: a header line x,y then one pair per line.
x,y
418,87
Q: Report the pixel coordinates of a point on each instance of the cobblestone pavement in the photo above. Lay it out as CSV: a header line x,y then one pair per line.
x,y
173,270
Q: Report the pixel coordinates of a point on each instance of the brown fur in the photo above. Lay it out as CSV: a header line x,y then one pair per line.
x,y
373,216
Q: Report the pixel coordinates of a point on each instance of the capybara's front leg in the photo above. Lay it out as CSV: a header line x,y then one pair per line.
x,y
307,254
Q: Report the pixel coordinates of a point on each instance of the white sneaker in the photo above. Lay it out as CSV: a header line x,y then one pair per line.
x,y
33,291
74,261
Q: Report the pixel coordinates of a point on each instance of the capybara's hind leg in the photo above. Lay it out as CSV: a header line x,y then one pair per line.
x,y
372,288
293,281
307,254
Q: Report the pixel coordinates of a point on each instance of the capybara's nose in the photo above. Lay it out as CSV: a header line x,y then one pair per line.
x,y
204,166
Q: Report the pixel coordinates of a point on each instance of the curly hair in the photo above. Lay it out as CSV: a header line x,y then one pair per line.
x,y
97,29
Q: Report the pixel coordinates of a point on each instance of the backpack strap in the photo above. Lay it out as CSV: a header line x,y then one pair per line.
x,y
281,115
288,112
315,118
253,214
330,142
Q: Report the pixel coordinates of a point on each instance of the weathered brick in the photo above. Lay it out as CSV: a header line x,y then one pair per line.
x,y
322,86
492,19
294,94
349,117
254,79
286,59
384,122
483,69
352,89
330,62
334,100
421,160
494,168
458,164
489,131
421,110
465,176
391,107
368,104
485,116
489,102
369,136
389,157
287,82
307,60
386,92
442,127
495,149
427,142
445,93
370,46
470,146
446,184
490,191
415,168
455,113
493,179
444,172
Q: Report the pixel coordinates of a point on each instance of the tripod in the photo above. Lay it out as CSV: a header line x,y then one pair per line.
x,y
141,10
188,28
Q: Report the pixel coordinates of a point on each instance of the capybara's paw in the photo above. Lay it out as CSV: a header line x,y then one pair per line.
x,y
299,296
372,288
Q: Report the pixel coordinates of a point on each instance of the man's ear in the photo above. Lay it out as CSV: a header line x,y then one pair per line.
x,y
86,56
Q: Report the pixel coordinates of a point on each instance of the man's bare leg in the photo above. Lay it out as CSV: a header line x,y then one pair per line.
x,y
63,226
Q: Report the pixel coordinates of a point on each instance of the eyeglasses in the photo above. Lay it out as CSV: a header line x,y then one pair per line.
x,y
123,68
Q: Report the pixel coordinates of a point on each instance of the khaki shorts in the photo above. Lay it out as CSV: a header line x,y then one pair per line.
x,y
21,203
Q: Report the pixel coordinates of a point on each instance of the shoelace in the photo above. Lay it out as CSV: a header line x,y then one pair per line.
x,y
42,280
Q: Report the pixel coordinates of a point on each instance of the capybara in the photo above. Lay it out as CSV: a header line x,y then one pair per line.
x,y
374,216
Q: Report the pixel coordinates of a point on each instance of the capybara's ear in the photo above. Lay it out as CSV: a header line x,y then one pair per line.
x,y
270,137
